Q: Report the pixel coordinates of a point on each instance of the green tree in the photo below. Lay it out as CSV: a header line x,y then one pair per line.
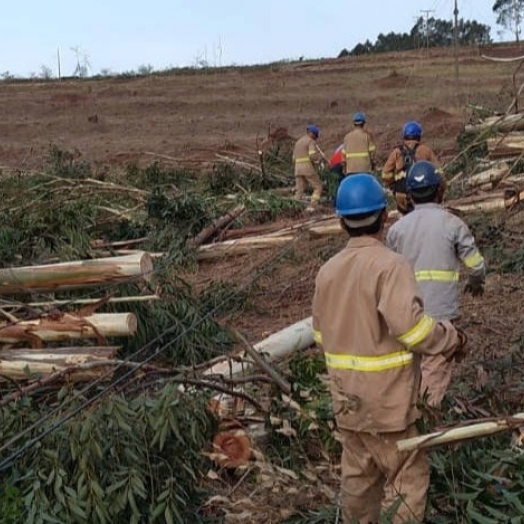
x,y
509,15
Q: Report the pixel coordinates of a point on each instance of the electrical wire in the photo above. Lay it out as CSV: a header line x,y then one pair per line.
x,y
5,463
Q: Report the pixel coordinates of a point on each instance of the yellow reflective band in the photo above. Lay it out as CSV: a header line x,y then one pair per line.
x,y
302,159
436,275
317,336
473,260
369,364
417,333
372,148
312,152
387,176
357,155
400,175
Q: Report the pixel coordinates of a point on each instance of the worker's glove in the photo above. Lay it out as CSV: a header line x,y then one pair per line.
x,y
461,350
475,287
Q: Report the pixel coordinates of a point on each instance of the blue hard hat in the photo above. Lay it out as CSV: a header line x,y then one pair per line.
x,y
359,117
412,130
313,129
422,175
360,194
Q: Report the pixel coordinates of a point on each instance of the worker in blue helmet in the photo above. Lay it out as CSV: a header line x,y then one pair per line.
x,y
436,243
370,322
401,159
358,150
307,157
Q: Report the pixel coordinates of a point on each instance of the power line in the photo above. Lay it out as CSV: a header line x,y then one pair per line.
x,y
264,268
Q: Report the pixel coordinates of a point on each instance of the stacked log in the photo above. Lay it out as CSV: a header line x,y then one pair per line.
x,y
63,327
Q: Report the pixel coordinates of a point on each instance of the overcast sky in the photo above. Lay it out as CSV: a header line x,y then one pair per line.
x,y
121,35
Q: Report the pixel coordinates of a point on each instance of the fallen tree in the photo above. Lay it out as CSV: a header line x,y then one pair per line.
x,y
24,364
279,345
67,326
461,433
71,275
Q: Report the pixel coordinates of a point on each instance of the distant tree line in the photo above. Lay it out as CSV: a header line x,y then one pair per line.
x,y
432,32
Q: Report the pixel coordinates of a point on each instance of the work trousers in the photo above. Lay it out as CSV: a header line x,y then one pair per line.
x,y
436,376
301,183
376,476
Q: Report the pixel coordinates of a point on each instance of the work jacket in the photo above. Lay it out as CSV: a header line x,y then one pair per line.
x,y
394,169
435,242
369,319
305,156
357,150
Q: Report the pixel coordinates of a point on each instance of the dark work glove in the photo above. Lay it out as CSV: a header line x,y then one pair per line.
x,y
475,287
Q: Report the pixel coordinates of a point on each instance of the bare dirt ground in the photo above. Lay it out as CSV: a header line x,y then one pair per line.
x,y
192,117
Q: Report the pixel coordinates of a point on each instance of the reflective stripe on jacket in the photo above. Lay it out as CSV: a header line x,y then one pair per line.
x,y
393,169
357,150
435,242
305,156
370,322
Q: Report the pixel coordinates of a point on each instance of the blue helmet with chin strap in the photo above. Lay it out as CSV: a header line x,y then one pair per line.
x,y
360,194
313,129
359,118
412,131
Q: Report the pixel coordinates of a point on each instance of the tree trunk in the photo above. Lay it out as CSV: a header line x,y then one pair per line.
x,y
240,246
281,344
509,145
450,435
217,225
502,123
71,275
67,326
24,364
494,174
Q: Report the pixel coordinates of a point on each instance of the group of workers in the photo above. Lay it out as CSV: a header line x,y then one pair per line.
x,y
357,154
384,313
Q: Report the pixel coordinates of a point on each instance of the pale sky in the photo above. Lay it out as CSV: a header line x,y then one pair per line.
x,y
121,35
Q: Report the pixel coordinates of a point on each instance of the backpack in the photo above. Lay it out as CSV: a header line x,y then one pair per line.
x,y
408,156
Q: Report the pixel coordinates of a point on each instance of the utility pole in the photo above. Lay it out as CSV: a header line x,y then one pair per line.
x,y
455,44
58,63
426,13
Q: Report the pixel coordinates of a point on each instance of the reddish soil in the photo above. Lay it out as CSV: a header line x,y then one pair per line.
x,y
192,117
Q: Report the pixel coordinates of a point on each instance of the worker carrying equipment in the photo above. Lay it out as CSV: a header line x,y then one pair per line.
x,y
306,158
373,357
358,149
401,159
436,242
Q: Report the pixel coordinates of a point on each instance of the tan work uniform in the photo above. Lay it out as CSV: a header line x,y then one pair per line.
x,y
357,151
305,158
370,321
435,242
394,174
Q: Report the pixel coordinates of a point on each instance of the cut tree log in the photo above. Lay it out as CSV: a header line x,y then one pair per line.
x,y
71,275
240,246
457,434
490,202
24,364
68,326
494,174
501,123
509,145
279,345
77,302
217,225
